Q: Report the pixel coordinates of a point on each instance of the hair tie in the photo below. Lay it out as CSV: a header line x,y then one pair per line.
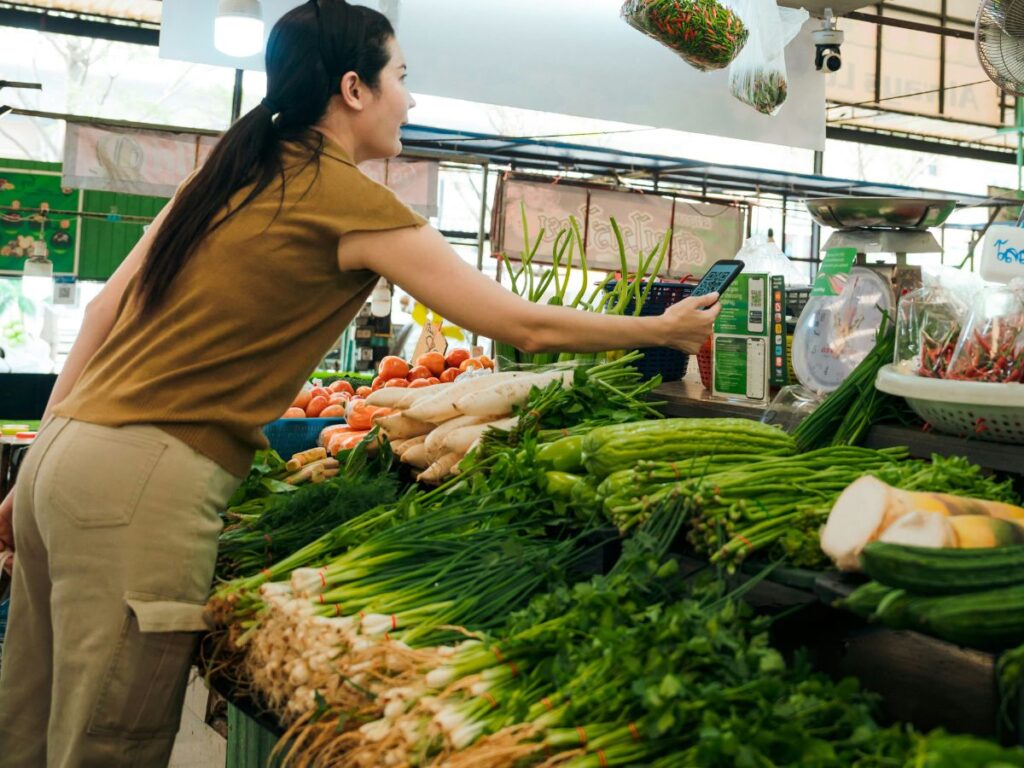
x,y
270,106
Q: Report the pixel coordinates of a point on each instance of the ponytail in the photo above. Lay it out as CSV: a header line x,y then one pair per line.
x,y
309,50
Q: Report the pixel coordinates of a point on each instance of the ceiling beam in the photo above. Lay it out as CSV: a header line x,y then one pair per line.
x,y
910,142
77,25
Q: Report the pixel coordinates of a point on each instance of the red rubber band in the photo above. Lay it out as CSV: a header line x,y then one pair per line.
x,y
323,581
634,732
497,653
602,759
486,696
266,572
745,540
582,734
515,670
547,703
394,621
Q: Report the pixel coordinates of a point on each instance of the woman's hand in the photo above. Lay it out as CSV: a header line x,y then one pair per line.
x,y
690,322
7,528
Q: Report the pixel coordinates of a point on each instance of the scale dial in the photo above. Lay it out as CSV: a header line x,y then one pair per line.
x,y
835,333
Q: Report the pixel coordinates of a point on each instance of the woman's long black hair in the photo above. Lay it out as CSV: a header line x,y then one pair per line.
x,y
308,52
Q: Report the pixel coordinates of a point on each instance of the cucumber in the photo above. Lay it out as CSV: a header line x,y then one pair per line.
x,y
864,600
988,620
946,571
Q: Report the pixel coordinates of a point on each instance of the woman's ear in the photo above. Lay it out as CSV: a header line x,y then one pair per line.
x,y
352,91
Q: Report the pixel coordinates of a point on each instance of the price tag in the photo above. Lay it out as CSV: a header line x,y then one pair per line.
x,y
431,339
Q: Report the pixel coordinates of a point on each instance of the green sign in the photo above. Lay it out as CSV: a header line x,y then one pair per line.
x,y
35,208
834,271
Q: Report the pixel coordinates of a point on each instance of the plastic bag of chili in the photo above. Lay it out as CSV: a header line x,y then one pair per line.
x,y
758,76
708,34
991,346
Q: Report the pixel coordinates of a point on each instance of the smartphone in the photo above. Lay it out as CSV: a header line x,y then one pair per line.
x,y
719,277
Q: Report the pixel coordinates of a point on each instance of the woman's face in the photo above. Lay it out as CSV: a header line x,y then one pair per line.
x,y
379,125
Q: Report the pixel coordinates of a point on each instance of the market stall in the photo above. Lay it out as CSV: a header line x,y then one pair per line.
x,y
803,545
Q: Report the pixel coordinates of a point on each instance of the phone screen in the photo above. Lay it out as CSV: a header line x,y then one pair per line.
x,y
718,278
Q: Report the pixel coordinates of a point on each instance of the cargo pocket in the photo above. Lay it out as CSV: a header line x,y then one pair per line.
x,y
144,686
100,474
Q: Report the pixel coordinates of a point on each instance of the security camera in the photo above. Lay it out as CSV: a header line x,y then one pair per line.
x,y
827,40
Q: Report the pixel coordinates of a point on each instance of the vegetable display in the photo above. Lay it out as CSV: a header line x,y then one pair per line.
x,y
478,623
707,34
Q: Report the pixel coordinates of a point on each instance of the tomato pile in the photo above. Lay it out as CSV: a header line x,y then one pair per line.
x,y
334,400
429,369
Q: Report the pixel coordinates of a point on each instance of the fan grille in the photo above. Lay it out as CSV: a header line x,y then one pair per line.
x,y
999,36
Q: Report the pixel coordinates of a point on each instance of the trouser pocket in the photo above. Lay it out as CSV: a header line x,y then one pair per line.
x,y
144,684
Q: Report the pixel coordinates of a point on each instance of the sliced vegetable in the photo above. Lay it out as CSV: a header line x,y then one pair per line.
x,y
869,506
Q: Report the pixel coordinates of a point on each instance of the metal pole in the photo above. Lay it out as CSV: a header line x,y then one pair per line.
x,y
236,96
819,163
785,205
482,232
1018,107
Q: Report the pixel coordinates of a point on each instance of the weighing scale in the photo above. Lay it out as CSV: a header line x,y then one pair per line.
x,y
835,333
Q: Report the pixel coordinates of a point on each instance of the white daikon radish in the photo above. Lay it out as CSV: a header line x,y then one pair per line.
x,y
396,446
920,529
401,427
436,439
398,397
440,469
416,456
500,399
461,440
441,407
410,444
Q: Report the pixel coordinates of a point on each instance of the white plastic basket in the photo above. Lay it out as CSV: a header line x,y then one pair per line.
x,y
993,412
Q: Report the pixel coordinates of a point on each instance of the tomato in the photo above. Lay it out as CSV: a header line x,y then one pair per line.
x,y
332,411
341,386
455,358
302,399
449,375
420,372
316,405
487,362
378,382
392,367
471,362
419,383
433,380
338,399
363,391
396,383
320,392
294,413
434,361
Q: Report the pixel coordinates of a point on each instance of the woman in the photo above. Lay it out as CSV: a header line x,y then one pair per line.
x,y
204,334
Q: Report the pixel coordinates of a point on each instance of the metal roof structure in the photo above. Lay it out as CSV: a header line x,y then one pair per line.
x,y
529,153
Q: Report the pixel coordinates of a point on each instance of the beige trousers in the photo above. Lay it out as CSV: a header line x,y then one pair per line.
x,y
116,535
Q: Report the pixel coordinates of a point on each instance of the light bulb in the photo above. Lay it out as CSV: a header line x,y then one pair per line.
x,y
238,28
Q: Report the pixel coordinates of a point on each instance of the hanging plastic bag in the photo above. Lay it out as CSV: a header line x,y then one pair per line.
x,y
991,347
759,254
930,319
708,34
758,76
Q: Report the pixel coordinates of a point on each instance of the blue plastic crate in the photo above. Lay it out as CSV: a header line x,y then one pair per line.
x,y
289,436
669,363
